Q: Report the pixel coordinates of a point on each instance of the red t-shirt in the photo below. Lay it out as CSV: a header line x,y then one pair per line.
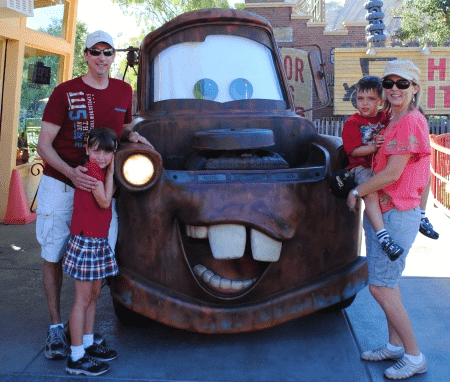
x,y
410,135
88,218
77,107
359,131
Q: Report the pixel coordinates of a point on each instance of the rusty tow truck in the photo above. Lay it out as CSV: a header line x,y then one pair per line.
x,y
228,225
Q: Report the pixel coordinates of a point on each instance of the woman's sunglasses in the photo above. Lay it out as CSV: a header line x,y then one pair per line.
x,y
401,84
106,52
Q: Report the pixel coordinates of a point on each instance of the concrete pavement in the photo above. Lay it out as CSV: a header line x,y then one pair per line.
x,y
319,347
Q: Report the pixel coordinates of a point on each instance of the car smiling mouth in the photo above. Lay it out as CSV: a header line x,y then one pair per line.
x,y
227,260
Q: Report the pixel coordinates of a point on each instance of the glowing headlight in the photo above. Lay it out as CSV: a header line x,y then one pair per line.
x,y
138,170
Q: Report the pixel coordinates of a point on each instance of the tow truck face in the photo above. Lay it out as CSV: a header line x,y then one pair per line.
x,y
228,225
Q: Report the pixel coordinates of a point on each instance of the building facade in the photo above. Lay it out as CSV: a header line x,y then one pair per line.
x,y
303,23
36,53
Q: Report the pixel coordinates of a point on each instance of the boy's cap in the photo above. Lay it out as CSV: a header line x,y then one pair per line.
x,y
98,36
402,68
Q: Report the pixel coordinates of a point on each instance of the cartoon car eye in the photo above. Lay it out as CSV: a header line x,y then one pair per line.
x,y
240,88
211,70
206,89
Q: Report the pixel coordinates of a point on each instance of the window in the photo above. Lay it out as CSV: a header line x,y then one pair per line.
x,y
39,78
213,70
48,17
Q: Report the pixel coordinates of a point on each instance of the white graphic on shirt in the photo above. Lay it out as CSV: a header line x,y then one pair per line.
x,y
81,112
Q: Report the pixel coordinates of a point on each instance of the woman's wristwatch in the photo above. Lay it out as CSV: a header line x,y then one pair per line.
x,y
355,193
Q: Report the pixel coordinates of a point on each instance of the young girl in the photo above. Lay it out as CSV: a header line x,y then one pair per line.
x,y
88,258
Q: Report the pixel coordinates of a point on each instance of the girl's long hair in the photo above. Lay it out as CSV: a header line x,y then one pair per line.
x,y
103,138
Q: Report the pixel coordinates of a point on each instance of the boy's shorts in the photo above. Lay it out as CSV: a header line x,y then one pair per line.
x,y
361,174
403,227
54,216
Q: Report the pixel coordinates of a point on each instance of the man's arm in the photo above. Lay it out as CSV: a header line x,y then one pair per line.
x,y
45,149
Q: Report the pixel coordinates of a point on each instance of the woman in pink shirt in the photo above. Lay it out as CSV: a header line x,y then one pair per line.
x,y
402,171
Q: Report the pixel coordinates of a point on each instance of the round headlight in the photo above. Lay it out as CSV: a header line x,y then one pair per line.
x,y
138,169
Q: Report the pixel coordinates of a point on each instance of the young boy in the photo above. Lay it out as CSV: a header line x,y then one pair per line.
x,y
361,141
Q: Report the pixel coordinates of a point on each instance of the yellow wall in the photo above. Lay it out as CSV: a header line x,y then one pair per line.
x,y
18,36
351,64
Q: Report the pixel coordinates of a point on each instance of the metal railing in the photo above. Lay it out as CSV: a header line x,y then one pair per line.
x,y
438,127
329,126
440,171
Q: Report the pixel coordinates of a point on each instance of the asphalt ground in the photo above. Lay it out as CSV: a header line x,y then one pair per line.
x,y
319,347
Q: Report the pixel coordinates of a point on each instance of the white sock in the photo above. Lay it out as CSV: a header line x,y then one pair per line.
x,y
391,347
422,214
77,352
88,340
56,325
382,234
415,359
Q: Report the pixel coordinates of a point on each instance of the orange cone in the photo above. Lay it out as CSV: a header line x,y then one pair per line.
x,y
18,211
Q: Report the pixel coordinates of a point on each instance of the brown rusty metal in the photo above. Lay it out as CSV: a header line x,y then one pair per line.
x,y
232,139
319,263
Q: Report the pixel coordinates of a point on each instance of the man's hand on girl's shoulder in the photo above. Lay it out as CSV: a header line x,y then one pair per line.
x,y
81,180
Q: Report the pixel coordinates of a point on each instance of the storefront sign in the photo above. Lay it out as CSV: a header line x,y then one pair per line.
x,y
352,64
296,66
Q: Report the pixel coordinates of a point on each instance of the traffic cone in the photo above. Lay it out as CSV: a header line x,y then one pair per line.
x,y
17,211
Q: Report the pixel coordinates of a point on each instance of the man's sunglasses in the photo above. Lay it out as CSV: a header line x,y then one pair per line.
x,y
401,84
106,52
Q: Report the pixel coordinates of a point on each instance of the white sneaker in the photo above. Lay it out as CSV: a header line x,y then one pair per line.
x,y
405,368
381,354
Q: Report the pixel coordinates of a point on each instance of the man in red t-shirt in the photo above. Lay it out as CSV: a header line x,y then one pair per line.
x,y
75,107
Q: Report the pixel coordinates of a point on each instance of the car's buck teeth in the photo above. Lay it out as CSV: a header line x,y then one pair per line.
x,y
227,241
264,248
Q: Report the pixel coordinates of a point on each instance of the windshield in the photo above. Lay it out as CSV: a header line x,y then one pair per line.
x,y
220,69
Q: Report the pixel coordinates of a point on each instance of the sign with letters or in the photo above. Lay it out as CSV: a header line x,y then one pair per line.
x,y
296,66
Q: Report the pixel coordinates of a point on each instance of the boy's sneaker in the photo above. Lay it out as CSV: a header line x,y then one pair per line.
x,y
426,228
86,365
392,250
381,354
404,369
101,353
56,344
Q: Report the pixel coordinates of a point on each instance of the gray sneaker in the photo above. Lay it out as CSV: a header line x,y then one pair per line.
x,y
381,354
56,344
404,369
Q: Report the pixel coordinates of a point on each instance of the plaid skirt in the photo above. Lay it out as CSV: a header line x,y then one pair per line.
x,y
89,258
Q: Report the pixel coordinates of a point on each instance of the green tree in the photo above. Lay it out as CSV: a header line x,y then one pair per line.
x,y
426,20
157,12
79,65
